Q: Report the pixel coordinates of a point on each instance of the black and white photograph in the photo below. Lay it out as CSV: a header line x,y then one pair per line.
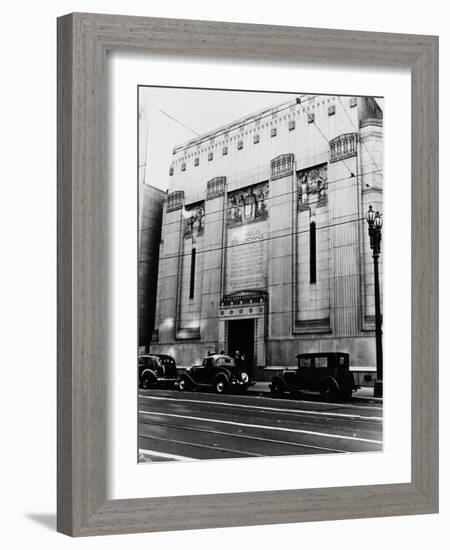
x,y
260,274
221,257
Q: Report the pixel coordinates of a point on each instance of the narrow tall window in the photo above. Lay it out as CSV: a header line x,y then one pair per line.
x,y
192,283
312,252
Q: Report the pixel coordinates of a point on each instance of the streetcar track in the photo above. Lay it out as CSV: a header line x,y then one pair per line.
x,y
248,437
358,418
286,399
259,426
201,446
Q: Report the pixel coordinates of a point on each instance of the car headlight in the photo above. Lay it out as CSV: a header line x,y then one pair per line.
x,y
244,377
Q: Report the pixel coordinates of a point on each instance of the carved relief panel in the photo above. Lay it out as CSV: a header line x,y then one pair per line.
x,y
248,205
194,223
312,187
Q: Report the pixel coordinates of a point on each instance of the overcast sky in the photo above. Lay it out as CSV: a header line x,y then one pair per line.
x,y
199,110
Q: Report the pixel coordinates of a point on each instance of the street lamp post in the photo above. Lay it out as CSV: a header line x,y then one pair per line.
x,y
375,223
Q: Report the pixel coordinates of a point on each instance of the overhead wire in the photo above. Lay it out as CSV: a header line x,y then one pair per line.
x,y
178,122
264,239
351,175
362,142
269,198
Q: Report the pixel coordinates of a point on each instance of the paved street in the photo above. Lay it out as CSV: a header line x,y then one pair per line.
x,y
193,425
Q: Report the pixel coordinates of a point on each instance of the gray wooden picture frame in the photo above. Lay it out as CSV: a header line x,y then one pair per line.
x,y
83,41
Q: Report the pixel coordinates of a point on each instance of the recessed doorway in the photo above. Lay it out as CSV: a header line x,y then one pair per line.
x,y
241,337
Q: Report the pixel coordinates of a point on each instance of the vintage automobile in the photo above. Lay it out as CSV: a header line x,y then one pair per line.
x,y
327,373
218,372
157,370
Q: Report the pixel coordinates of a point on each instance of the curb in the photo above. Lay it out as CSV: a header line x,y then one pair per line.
x,y
355,398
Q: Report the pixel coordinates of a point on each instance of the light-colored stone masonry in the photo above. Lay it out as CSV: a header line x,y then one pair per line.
x,y
254,201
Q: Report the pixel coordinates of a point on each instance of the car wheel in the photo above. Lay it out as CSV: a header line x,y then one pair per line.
x,y
276,388
148,381
328,392
220,385
183,384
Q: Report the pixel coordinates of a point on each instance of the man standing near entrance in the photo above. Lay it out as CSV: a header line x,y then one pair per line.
x,y
238,359
244,365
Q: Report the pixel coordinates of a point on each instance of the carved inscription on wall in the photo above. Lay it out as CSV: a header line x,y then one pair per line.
x,y
246,258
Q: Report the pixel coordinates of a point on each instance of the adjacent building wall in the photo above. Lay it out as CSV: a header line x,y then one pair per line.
x,y
151,202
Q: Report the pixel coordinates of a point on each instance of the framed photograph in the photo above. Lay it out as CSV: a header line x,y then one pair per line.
x,y
247,274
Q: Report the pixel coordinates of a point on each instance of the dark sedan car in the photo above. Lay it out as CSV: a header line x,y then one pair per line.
x,y
327,373
217,372
157,370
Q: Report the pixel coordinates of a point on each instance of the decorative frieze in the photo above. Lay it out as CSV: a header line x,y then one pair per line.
x,y
343,147
248,205
282,166
215,187
244,299
194,223
175,200
312,187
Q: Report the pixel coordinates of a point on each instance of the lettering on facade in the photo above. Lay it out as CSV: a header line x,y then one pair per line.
x,y
248,205
194,224
215,187
175,200
312,187
282,166
343,147
246,259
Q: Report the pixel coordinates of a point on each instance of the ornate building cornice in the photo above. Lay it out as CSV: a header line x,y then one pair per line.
x,y
343,147
215,187
282,166
175,200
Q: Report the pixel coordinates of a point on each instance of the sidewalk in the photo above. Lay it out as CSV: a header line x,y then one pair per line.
x,y
365,393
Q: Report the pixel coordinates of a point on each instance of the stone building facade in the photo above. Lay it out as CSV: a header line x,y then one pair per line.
x,y
264,240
